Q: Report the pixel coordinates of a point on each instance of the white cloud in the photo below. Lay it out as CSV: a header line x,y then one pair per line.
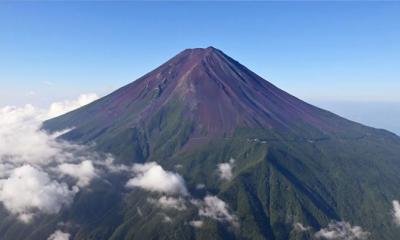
x,y
225,169
5,169
300,227
342,231
21,139
84,172
167,219
29,190
59,235
196,223
169,203
152,177
215,208
59,108
396,211
109,164
23,143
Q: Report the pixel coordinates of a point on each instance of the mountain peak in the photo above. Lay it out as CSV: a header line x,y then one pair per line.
x,y
202,50
195,55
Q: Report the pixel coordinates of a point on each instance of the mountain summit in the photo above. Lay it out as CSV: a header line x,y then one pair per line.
x,y
286,169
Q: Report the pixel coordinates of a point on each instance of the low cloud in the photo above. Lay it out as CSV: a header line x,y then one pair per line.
x,y
200,186
59,235
166,218
342,231
29,190
29,156
59,108
225,169
5,169
152,177
109,164
166,202
196,223
300,227
396,211
21,139
215,208
84,172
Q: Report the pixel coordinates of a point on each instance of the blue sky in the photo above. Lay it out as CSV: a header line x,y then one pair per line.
x,y
319,51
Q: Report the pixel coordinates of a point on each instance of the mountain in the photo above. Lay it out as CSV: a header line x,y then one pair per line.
x,y
294,164
197,96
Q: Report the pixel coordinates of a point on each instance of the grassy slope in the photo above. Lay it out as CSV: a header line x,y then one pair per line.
x,y
275,184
